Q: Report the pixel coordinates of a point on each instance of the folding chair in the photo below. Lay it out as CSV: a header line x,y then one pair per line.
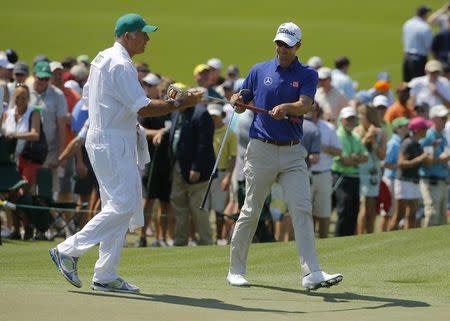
x,y
60,220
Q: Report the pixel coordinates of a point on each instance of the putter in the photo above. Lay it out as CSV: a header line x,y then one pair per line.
x,y
219,154
292,119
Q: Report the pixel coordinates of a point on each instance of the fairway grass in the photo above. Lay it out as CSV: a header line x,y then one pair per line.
x,y
387,276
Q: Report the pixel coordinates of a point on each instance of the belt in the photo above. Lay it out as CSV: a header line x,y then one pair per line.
x,y
319,172
280,143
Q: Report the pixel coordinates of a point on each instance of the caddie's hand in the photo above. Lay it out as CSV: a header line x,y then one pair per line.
x,y
277,112
192,98
194,176
157,139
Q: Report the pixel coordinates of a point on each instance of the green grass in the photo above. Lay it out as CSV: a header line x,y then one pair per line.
x,y
238,32
387,276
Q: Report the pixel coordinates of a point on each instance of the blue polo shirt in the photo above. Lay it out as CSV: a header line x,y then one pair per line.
x,y
440,169
392,151
271,85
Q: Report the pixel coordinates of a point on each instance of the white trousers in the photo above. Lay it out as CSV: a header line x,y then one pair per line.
x,y
264,164
113,159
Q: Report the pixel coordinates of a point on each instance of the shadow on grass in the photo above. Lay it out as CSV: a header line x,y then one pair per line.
x,y
182,300
349,297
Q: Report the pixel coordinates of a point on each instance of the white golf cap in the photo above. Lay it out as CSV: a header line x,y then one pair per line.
x,y
347,112
151,79
74,85
55,65
380,100
289,33
438,111
315,62
433,66
324,73
215,63
215,109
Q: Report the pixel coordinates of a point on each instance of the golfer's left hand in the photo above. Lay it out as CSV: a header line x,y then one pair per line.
x,y
277,112
194,176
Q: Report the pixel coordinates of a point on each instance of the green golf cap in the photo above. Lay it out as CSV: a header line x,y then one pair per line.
x,y
132,22
399,122
42,69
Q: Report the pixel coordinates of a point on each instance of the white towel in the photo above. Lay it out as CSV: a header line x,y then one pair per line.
x,y
143,155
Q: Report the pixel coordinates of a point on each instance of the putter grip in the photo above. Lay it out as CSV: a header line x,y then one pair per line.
x,y
205,196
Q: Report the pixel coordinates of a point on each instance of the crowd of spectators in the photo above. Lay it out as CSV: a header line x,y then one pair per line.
x,y
377,151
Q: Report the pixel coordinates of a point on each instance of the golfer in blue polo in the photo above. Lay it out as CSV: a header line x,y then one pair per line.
x,y
284,86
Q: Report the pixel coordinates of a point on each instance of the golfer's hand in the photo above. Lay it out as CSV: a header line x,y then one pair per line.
x,y
194,176
277,112
192,99
235,100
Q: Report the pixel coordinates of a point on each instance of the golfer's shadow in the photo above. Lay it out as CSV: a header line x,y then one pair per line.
x,y
349,297
206,303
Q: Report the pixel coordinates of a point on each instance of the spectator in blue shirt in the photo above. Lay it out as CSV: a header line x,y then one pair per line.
x,y
400,128
283,86
417,37
433,178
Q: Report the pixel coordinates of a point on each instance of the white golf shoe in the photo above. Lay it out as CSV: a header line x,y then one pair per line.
x,y
237,280
320,279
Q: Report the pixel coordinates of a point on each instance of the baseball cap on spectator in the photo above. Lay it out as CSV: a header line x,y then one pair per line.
x,y
200,68
422,10
79,72
382,85
347,112
68,62
132,22
38,58
55,65
215,63
418,123
324,73
74,85
151,79
9,66
438,111
3,62
363,96
433,66
20,68
384,75
83,59
42,69
380,101
315,62
215,109
289,33
11,55
399,122
233,70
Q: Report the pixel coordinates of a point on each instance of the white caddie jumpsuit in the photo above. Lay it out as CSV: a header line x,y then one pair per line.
x,y
114,96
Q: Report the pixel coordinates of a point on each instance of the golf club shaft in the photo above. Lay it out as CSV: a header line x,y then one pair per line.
x,y
219,155
253,108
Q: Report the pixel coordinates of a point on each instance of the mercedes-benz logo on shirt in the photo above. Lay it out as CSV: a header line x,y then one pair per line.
x,y
268,81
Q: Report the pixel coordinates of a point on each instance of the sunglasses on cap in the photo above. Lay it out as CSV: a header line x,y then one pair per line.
x,y
282,44
43,79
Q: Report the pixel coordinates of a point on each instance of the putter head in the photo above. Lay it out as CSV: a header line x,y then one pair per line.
x,y
246,95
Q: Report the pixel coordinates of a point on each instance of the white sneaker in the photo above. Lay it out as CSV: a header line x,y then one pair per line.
x,y
237,280
320,279
222,242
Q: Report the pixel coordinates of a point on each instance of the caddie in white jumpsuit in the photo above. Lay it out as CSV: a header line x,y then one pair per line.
x,y
115,148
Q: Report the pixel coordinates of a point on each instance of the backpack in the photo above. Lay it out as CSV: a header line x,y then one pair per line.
x,y
36,151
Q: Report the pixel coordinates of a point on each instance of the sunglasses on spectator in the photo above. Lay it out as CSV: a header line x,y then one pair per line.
x,y
43,79
282,44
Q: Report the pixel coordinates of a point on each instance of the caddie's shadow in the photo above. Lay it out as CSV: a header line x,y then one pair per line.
x,y
349,297
206,303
